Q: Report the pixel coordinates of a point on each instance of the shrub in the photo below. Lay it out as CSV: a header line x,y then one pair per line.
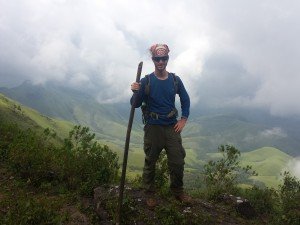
x,y
290,198
25,211
263,200
84,163
7,134
30,156
170,215
162,172
282,204
161,178
80,164
130,210
221,175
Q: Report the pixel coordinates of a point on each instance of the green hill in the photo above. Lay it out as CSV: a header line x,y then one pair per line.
x,y
77,107
25,117
268,162
44,192
205,133
246,130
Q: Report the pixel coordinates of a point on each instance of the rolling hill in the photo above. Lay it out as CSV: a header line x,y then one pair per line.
x,y
25,117
76,107
267,161
205,131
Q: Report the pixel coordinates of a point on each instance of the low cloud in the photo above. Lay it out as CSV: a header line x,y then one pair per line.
x,y
229,54
275,132
294,167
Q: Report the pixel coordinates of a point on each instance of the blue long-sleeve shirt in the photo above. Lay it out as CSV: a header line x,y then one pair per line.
x,y
161,99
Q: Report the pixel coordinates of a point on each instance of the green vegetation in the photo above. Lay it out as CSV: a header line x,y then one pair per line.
x,y
30,210
200,137
246,130
172,215
25,117
37,165
268,163
221,176
71,105
280,206
47,164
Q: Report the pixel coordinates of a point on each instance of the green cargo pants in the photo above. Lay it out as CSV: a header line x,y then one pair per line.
x,y
157,138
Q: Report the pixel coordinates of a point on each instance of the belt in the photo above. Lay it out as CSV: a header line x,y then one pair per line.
x,y
157,116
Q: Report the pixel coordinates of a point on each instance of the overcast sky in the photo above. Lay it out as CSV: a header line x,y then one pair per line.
x,y
232,53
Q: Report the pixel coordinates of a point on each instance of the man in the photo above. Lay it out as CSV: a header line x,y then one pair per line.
x,y
162,129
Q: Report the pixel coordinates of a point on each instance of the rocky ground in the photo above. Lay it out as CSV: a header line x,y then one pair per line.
x,y
102,207
168,211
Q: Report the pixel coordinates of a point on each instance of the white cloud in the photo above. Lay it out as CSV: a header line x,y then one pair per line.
x,y
294,167
99,43
274,133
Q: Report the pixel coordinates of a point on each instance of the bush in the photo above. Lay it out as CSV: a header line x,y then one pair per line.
x,y
281,205
263,200
290,198
161,178
162,172
31,157
221,175
7,135
170,215
84,163
26,211
80,164
130,210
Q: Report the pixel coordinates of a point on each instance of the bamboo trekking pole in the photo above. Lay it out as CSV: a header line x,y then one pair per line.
x,y
121,188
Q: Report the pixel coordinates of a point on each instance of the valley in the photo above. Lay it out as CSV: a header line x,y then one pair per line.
x,y
263,145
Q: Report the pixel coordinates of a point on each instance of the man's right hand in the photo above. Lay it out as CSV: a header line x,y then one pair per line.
x,y
135,86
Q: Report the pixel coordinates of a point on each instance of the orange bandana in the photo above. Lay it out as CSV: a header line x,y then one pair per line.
x,y
159,50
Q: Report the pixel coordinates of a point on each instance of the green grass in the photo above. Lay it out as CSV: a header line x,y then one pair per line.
x,y
268,162
192,159
29,118
136,158
62,128
269,181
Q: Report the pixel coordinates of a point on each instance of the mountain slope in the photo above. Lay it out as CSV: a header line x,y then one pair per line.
x,y
25,117
268,162
74,106
205,131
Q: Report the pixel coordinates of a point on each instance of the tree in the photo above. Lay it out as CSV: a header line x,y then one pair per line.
x,y
221,175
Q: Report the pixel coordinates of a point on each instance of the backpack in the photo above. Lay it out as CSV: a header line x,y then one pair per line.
x,y
145,112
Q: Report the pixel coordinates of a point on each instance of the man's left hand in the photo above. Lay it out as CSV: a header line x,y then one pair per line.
x,y
180,125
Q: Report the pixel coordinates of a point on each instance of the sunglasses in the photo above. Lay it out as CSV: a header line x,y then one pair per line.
x,y
163,58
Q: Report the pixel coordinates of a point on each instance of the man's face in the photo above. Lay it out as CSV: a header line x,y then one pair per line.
x,y
160,62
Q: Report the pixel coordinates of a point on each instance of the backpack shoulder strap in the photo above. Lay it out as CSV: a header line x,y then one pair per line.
x,y
175,79
147,86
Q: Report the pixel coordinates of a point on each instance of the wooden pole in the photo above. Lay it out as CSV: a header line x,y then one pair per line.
x,y
122,183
